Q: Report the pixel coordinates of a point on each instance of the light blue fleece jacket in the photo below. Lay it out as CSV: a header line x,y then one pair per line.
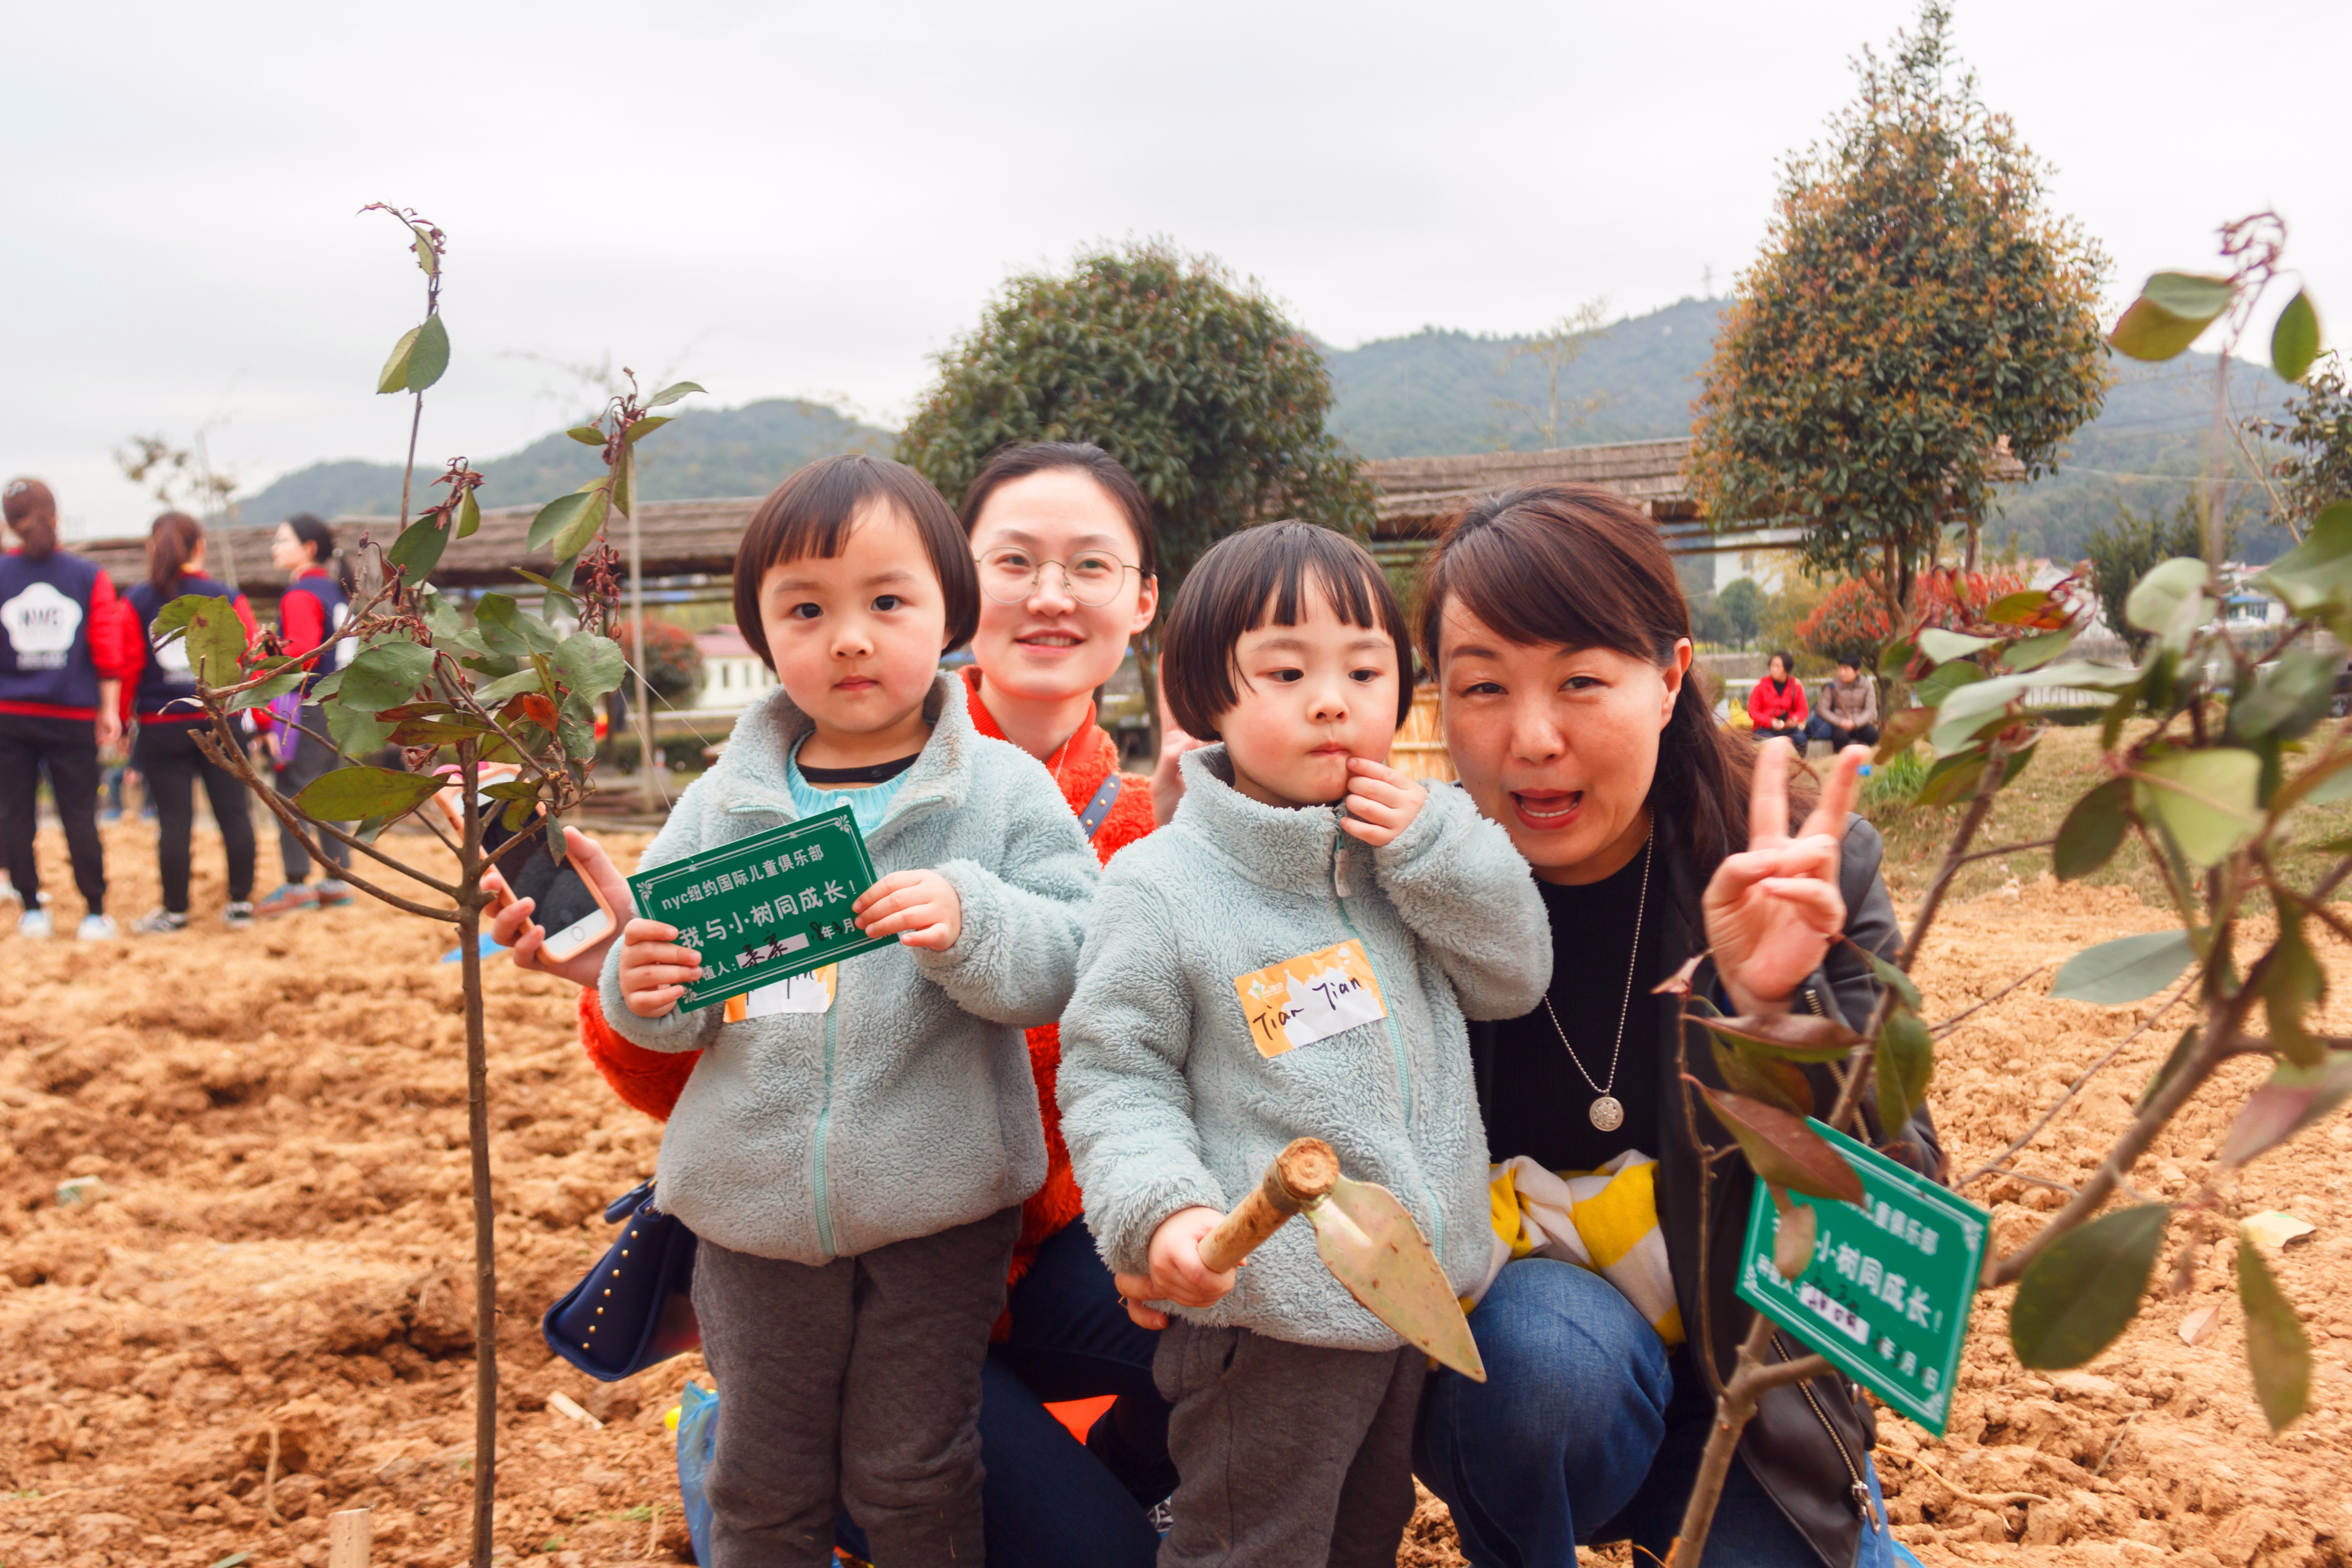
x,y
1166,1102
907,1107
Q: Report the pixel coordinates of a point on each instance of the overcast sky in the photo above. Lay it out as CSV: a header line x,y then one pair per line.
x,y
800,199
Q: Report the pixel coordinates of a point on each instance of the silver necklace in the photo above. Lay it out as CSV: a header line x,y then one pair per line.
x,y
1608,1113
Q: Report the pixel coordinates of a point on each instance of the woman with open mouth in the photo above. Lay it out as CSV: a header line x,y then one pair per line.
x,y
1562,642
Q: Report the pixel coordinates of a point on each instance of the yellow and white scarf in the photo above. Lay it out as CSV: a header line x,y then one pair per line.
x,y
1604,1220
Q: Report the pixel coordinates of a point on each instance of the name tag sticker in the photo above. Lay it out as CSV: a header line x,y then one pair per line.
x,y
798,993
1312,997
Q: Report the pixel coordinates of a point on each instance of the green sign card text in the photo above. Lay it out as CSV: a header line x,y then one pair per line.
x,y
765,907
1887,1293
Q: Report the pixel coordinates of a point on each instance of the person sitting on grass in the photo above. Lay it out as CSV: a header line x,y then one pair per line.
x,y
1775,704
1847,714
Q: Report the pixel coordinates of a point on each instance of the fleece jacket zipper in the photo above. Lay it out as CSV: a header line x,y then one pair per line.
x,y
1396,1040
820,1188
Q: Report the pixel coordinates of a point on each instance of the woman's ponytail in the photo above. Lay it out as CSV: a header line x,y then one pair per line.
x,y
172,542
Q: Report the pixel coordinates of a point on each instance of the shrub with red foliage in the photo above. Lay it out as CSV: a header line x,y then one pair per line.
x,y
1850,624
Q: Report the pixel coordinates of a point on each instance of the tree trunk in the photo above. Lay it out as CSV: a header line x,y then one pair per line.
x,y
477,1136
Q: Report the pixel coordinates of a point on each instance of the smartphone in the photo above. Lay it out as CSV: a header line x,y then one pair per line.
x,y
568,906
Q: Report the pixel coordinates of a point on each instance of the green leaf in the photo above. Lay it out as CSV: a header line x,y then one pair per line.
x,y
430,357
589,665
1953,779
1946,680
645,427
567,524
1895,656
2032,653
527,678
1760,1076
356,731
234,1559
2278,1352
2206,799
1905,1062
269,690
2092,831
2293,983
1795,1231
1943,646
1799,1036
587,434
1974,708
1894,979
2191,296
386,675
2125,969
1903,728
2171,601
557,589
418,549
2149,331
2295,343
394,375
671,394
2085,1288
1781,1148
172,620
348,794
469,516
510,630
2289,697
624,488
421,241
215,639
2291,1100
2182,1049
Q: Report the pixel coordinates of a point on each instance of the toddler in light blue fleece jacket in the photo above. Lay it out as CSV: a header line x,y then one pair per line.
x,y
853,1155
1293,955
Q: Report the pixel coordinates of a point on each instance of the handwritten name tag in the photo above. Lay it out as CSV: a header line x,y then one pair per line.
x,y
1312,997
800,994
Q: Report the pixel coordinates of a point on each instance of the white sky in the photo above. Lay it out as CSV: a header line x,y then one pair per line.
x,y
795,199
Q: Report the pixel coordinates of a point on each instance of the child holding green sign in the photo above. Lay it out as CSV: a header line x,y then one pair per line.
x,y
853,1154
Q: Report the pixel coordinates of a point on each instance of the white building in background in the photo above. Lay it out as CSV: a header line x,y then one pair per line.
x,y
732,673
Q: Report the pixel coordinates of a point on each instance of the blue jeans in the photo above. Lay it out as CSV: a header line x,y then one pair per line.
x,y
1047,1500
1567,1441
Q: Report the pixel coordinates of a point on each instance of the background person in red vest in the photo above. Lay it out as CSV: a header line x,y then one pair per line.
x,y
64,652
311,614
163,698
1068,573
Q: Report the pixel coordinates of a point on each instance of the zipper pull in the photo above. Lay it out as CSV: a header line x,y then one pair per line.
x,y
1340,888
1862,1505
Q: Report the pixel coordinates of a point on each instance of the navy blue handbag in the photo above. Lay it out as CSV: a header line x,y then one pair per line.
x,y
634,1309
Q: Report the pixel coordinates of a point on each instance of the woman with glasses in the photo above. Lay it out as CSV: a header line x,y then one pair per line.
x,y
1063,540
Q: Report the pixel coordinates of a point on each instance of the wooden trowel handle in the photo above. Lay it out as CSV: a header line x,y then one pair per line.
x,y
1300,1175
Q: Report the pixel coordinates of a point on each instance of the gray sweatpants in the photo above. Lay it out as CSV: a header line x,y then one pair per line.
x,y
859,1381
1286,1455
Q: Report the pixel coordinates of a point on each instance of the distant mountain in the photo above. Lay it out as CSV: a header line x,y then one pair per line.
x,y
708,452
1439,392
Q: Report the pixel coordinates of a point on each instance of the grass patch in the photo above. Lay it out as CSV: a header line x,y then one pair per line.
x,y
2066,766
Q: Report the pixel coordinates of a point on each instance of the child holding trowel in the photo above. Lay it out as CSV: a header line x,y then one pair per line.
x,y
1292,956
853,1154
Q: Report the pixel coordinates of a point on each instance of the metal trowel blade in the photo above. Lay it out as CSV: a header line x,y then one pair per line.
x,y
1369,1243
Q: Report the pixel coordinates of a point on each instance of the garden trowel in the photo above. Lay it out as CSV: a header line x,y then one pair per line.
x,y
1365,1237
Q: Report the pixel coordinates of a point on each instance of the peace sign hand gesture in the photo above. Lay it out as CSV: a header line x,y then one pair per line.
x,y
1773,909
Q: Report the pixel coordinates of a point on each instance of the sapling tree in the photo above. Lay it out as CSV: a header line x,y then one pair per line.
x,y
495,707
2213,748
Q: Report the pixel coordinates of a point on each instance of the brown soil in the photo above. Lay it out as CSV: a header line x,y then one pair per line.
x,y
283,1255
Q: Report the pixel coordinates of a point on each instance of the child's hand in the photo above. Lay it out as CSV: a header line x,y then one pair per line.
x,y
654,971
1177,1274
1381,802
919,907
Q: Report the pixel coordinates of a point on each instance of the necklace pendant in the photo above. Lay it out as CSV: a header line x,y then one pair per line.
x,y
1607,1114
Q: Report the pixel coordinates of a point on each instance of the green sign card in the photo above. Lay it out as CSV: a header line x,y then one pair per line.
x,y
1887,1293
766,908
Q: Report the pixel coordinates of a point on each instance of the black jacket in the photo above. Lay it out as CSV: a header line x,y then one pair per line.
x,y
1806,1443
